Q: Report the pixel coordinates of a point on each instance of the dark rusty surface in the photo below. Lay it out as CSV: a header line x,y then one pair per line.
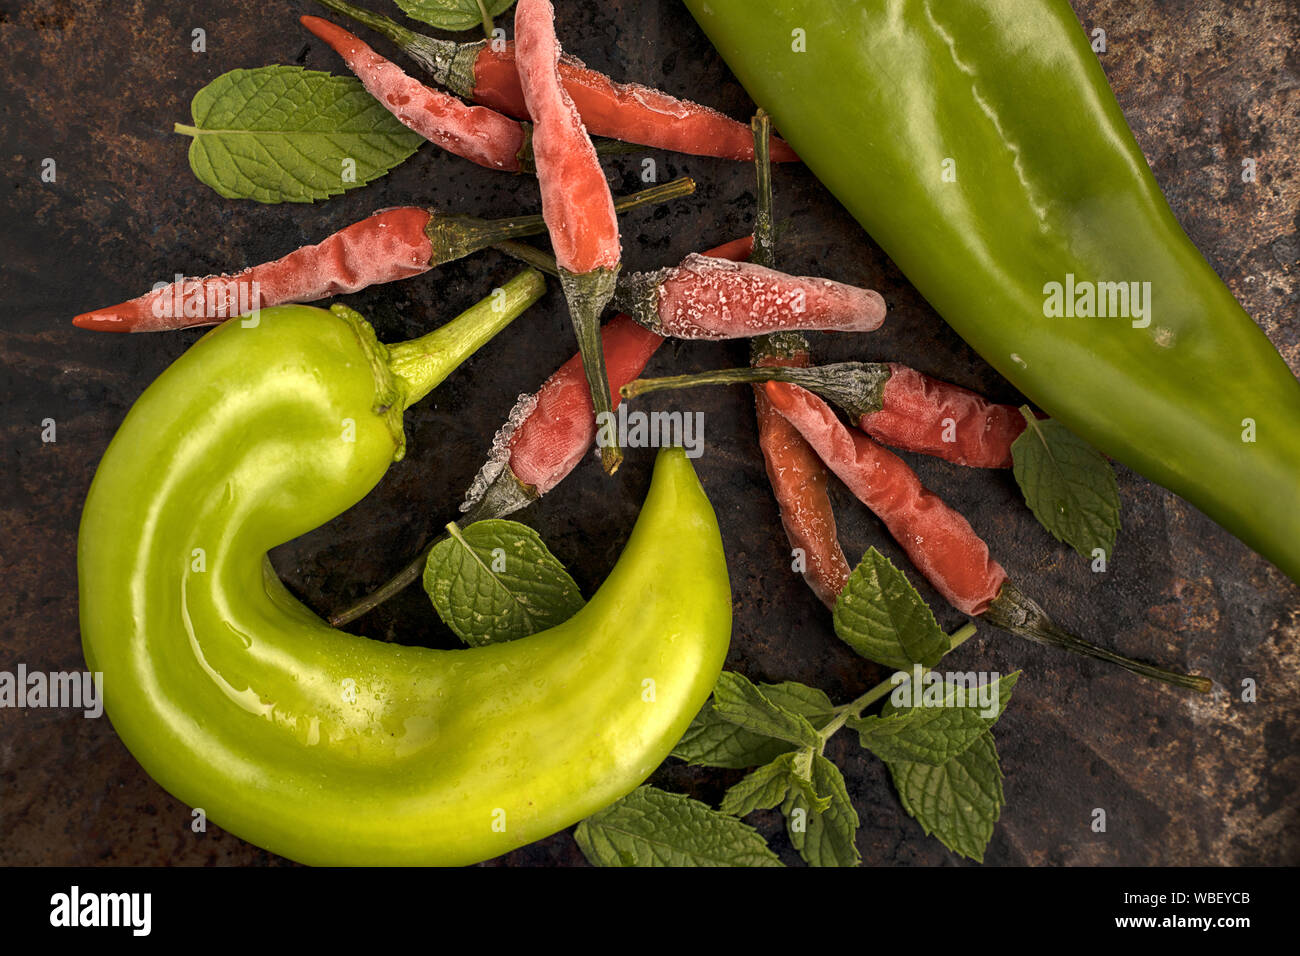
x,y
1205,83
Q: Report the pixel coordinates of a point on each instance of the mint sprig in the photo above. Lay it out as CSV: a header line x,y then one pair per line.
x,y
495,581
934,732
651,827
284,134
1069,485
713,741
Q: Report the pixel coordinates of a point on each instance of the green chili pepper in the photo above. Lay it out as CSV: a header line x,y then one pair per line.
x,y
329,748
979,144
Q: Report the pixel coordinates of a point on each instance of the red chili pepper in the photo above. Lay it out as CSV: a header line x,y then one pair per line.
x,y
797,476
922,414
799,480
390,245
892,403
477,133
576,201
488,73
544,438
708,298
939,541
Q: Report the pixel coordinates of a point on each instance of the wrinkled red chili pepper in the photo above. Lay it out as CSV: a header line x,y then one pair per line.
x,y
708,298
390,245
892,403
477,133
576,201
798,477
938,540
544,438
487,72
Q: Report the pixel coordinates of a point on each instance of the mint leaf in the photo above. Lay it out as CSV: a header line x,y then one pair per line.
x,y
1069,485
825,838
285,134
495,581
737,700
453,14
880,615
651,827
958,802
763,789
937,730
712,741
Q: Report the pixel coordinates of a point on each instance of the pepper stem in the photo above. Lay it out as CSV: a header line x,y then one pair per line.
x,y
1014,611
434,55
764,239
454,237
588,293
857,387
421,364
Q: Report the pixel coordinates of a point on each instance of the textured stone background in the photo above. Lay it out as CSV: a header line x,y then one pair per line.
x,y
97,86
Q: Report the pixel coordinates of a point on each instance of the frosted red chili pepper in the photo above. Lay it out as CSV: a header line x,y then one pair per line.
x,y
799,483
390,245
939,541
477,133
385,247
922,414
576,201
892,403
625,111
487,72
709,298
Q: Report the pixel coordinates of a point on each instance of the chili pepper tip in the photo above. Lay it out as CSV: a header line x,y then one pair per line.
x,y
101,320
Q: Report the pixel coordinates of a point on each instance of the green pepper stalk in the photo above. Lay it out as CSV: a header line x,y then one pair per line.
x,y
856,387
325,747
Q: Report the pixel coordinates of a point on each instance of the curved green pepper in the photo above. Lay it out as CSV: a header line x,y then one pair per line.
x,y
329,748
979,143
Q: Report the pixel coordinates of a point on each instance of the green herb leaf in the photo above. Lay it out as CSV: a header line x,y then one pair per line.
x,y
937,730
1069,485
880,615
285,134
825,838
958,802
712,741
495,581
762,789
739,701
453,14
651,827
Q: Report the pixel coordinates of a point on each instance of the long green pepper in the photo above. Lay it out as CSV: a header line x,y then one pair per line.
x,y
329,748
979,144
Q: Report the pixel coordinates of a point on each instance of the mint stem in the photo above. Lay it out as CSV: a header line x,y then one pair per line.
x,y
856,707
